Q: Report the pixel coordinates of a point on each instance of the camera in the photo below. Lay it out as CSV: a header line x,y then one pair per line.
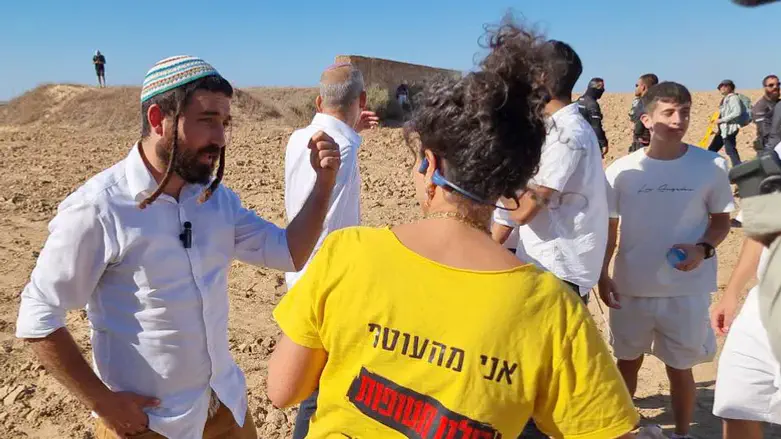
x,y
759,176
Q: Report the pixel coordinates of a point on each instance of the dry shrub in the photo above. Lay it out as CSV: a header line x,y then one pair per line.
x,y
379,100
249,107
299,109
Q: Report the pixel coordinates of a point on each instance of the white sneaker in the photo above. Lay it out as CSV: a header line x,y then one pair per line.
x,y
651,432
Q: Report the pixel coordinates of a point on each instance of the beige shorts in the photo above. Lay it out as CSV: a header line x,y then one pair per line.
x,y
674,329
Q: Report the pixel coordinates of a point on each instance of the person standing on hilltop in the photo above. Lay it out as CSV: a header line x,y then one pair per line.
x,y
562,218
670,205
100,68
147,245
641,136
340,114
589,107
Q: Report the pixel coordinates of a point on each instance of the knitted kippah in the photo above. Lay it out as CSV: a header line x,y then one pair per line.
x,y
174,72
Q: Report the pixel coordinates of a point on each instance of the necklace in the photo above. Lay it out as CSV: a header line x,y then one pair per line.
x,y
460,218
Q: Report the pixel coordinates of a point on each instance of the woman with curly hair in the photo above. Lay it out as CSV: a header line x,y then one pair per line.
x,y
432,329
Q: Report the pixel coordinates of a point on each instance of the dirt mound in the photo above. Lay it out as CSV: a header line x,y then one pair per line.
x,y
112,108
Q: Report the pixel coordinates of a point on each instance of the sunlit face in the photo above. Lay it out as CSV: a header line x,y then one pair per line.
x,y
201,136
668,121
640,88
772,88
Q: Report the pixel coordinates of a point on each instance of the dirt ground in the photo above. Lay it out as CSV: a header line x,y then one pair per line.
x,y
55,138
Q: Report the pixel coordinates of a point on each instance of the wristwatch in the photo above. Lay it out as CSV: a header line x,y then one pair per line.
x,y
710,251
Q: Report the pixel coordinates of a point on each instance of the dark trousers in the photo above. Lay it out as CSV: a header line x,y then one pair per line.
x,y
306,410
729,143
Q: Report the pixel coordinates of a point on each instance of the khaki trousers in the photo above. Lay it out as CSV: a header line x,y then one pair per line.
x,y
220,426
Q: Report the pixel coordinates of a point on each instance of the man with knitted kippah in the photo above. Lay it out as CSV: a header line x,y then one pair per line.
x,y
146,246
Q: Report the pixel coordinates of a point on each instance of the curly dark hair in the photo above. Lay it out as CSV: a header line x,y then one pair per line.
x,y
488,127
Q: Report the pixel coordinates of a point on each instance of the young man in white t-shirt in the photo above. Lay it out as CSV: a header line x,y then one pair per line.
x,y
748,384
562,219
669,195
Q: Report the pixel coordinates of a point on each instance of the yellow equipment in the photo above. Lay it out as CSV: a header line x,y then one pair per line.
x,y
705,142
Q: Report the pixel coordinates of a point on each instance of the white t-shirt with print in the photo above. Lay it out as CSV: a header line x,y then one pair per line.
x,y
568,237
661,203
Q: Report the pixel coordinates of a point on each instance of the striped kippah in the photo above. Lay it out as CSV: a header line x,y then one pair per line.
x,y
174,72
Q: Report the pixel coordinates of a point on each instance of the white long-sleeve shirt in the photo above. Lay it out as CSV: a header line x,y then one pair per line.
x,y
345,205
158,312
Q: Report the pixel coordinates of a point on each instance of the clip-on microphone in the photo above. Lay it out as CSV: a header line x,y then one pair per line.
x,y
187,236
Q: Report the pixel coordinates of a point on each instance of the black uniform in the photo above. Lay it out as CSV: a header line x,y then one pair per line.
x,y
763,114
641,136
100,64
590,110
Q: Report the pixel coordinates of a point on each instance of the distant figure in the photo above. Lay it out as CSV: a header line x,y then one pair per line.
x,y
402,95
641,136
100,68
731,110
767,115
589,108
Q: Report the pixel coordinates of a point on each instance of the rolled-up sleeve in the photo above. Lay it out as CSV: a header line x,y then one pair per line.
x,y
68,269
259,242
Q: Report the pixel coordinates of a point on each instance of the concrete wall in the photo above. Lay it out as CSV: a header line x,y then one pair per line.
x,y
390,74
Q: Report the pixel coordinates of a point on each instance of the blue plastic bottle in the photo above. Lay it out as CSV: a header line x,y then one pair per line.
x,y
675,256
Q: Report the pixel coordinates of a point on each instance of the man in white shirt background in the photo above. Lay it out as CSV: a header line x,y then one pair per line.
x,y
667,196
562,218
146,245
341,115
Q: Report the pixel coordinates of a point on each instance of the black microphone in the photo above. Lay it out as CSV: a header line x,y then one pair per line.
x,y
187,236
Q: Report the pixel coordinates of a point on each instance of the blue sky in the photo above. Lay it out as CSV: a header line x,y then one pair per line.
x,y
288,42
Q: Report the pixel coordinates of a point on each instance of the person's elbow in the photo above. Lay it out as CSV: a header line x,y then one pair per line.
x,y
281,395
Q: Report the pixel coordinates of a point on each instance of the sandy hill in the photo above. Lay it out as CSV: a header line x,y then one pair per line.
x,y
114,108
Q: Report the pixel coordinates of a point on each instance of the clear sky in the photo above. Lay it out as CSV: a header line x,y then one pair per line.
x,y
288,42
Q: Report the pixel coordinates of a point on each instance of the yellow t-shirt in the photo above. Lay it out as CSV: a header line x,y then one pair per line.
x,y
421,350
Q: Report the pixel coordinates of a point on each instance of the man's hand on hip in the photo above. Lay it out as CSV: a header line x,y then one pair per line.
x,y
123,412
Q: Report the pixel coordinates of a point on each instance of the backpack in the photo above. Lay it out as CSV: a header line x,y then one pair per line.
x,y
745,117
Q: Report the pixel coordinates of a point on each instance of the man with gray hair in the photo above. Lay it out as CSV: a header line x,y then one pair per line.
x,y
341,115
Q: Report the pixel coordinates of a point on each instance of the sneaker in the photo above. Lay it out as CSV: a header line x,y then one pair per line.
x,y
650,432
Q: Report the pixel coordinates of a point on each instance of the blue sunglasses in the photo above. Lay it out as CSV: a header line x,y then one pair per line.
x,y
439,180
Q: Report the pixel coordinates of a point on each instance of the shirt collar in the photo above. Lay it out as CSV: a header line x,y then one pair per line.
x,y
329,122
565,112
140,181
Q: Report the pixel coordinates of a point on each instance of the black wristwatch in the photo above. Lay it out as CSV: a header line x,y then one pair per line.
x,y
710,251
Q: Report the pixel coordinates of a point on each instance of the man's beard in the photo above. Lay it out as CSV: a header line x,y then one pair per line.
x,y
186,161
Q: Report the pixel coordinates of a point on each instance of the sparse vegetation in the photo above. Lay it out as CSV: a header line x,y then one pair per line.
x,y
379,100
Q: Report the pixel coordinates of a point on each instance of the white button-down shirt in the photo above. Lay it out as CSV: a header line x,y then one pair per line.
x,y
158,312
569,237
345,204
